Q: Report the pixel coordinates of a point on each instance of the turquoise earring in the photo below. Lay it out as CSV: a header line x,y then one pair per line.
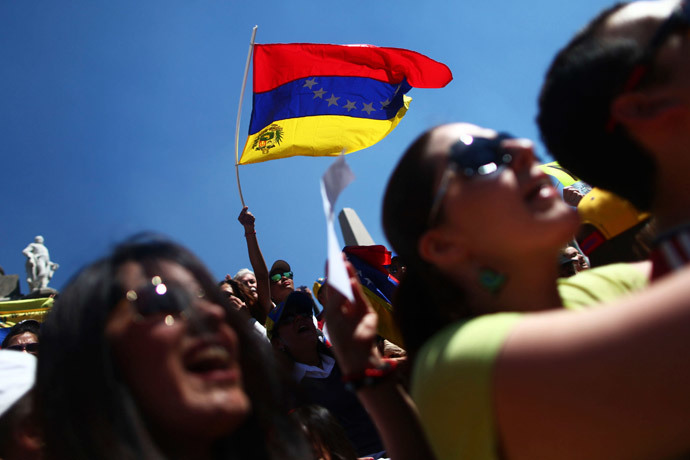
x,y
491,280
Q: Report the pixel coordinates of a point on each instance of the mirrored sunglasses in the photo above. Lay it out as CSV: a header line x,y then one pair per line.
x,y
278,276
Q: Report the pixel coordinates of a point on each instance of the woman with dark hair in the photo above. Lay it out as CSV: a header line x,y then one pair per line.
x,y
500,370
144,358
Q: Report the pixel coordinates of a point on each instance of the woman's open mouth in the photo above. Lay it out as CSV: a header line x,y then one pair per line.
x,y
211,361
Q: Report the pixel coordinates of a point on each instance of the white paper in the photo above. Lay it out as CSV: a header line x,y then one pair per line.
x,y
335,179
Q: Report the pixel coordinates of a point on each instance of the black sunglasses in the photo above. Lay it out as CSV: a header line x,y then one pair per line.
x,y
471,157
27,347
278,276
678,20
290,318
160,298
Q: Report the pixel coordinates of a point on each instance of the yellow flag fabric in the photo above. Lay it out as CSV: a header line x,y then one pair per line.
x,y
561,174
13,311
325,135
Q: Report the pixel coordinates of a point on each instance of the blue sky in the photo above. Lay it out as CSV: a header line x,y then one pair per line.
x,y
119,117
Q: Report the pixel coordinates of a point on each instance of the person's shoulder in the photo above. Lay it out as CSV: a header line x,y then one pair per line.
x,y
605,283
473,342
452,385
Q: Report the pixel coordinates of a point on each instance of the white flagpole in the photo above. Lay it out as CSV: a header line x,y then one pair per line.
x,y
239,113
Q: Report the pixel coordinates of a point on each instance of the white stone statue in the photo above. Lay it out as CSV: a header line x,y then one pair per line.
x,y
39,268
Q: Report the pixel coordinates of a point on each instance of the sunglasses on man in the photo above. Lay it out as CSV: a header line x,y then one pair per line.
x,y
25,347
278,276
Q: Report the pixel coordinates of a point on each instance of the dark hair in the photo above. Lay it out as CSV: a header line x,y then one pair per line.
x,y
21,327
86,409
324,432
426,300
574,108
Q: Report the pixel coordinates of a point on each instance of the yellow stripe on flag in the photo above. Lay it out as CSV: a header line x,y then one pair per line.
x,y
322,135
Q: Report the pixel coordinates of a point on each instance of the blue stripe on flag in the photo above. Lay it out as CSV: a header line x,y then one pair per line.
x,y
347,96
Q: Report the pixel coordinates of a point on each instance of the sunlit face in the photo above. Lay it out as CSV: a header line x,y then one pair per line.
x,y
249,280
281,289
182,369
506,214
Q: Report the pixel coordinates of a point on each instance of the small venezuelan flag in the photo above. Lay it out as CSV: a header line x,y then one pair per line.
x,y
320,100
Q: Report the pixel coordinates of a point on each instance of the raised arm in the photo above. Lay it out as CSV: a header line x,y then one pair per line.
x,y
256,258
352,330
603,384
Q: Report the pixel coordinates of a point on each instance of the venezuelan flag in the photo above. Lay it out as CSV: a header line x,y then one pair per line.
x,y
320,100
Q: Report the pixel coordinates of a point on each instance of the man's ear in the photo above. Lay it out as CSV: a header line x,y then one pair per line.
x,y
643,108
438,248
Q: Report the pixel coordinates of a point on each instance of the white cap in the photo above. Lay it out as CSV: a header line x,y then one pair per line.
x,y
18,371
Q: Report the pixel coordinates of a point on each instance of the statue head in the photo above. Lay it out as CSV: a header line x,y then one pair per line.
x,y
38,239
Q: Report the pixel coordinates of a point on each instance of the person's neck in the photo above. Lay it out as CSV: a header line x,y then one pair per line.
x,y
672,198
188,451
310,356
530,285
671,213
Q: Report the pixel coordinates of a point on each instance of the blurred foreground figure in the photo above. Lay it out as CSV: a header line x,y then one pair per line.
x,y
143,357
615,110
500,370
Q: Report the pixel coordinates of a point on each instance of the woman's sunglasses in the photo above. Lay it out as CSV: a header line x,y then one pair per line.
x,y
278,276
160,298
471,157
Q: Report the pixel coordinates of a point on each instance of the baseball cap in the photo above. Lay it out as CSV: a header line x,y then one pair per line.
x,y
296,302
279,266
609,214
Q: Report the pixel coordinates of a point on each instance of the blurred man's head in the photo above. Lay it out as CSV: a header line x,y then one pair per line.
x,y
615,105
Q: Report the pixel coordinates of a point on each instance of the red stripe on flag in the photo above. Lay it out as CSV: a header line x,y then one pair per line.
x,y
277,64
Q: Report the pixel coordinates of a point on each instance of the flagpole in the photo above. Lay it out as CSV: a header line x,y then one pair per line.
x,y
239,114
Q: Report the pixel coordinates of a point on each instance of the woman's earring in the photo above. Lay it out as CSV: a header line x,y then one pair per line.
x,y
169,320
491,280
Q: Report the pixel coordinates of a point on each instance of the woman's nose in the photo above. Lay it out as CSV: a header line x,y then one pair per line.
x,y
206,315
522,151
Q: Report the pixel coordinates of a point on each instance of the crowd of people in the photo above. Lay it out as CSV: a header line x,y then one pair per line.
x,y
529,324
